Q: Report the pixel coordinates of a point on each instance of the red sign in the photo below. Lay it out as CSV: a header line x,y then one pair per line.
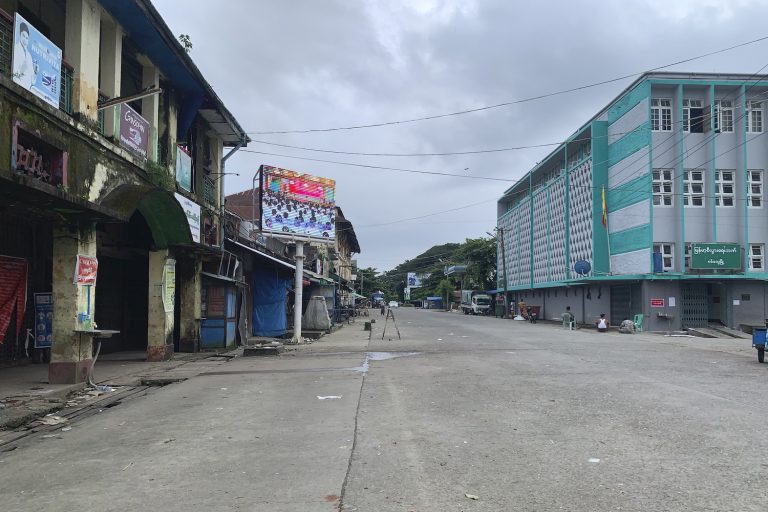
x,y
85,269
657,303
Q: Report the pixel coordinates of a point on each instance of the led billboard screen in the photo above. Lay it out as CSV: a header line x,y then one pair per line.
x,y
296,204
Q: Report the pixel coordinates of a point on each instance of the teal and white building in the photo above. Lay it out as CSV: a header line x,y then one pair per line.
x,y
682,161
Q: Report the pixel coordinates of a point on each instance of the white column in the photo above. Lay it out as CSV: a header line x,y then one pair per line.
x,y
81,51
110,75
298,292
150,107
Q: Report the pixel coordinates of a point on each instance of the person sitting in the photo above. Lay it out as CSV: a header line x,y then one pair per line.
x,y
602,323
568,319
627,326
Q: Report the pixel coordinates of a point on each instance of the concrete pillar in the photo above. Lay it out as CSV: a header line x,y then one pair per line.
x,y
159,320
110,75
81,51
189,283
150,107
71,353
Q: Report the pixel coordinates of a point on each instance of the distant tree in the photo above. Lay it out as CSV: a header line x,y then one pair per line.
x,y
186,42
445,290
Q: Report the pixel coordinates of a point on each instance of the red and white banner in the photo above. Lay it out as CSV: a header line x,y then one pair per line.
x,y
13,293
85,269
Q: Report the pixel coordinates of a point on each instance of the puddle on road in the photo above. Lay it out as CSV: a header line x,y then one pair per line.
x,y
381,356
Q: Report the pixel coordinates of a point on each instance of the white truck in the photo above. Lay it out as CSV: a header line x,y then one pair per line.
x,y
475,303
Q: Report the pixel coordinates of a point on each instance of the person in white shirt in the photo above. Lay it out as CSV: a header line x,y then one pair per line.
x,y
602,323
24,67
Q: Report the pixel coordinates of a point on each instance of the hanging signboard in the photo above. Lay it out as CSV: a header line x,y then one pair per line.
x,y
183,169
43,320
36,62
192,211
657,303
134,132
295,205
86,268
716,256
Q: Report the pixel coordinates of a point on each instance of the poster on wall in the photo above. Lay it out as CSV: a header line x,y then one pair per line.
x,y
36,62
169,285
192,211
43,320
184,169
295,205
86,268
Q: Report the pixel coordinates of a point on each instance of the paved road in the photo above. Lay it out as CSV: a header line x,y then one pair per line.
x,y
525,417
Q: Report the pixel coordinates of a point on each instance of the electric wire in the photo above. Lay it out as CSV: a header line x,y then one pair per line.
x,y
512,102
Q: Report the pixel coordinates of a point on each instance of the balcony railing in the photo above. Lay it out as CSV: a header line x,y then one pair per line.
x,y
6,53
209,190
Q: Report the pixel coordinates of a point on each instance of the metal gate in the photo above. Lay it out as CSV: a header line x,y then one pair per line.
x,y
695,305
621,303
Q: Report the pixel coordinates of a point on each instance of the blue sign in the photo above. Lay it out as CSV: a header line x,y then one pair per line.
x,y
36,62
43,320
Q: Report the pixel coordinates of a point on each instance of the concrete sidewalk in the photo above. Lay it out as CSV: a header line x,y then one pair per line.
x,y
25,393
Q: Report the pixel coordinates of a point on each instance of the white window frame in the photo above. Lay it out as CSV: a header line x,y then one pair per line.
x,y
663,188
725,188
756,260
687,257
661,114
690,196
754,116
723,116
755,188
688,104
667,251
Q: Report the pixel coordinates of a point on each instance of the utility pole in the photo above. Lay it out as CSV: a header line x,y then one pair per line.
x,y
504,268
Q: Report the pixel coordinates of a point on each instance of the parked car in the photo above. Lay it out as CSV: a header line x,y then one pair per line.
x,y
393,304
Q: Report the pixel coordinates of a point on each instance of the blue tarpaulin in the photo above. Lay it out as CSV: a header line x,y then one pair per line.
x,y
269,296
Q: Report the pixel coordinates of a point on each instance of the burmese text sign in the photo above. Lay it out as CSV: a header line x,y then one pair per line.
x,y
36,62
716,256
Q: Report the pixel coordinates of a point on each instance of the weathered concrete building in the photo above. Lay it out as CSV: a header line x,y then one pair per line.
x,y
123,172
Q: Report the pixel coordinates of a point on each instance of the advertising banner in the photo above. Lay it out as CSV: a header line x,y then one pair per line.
x,y
295,204
183,169
415,280
86,268
36,62
134,131
716,256
192,211
43,320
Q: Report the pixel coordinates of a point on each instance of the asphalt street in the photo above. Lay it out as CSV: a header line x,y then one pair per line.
x,y
522,417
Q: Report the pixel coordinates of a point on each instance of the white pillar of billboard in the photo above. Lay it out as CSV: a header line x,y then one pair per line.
x,y
298,292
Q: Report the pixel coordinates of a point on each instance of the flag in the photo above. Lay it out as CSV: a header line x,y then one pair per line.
x,y
605,210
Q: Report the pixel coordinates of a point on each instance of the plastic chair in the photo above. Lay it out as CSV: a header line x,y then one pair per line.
x,y
638,321
569,324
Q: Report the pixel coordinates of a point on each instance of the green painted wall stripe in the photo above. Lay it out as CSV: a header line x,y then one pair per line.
x,y
629,193
600,254
746,180
679,186
732,83
628,101
714,163
632,239
630,143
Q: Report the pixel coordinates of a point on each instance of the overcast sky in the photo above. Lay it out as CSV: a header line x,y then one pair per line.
x,y
306,64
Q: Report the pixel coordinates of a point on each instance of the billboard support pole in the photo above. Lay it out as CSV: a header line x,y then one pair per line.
x,y
298,292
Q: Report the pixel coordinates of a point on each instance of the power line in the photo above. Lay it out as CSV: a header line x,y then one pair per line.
x,y
513,102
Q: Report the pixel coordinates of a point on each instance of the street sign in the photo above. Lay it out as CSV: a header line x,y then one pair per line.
x,y
657,303
716,256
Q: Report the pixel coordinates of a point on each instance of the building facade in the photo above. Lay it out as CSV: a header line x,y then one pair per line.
x,y
110,197
654,207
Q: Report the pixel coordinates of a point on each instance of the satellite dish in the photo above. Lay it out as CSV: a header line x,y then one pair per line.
x,y
582,267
